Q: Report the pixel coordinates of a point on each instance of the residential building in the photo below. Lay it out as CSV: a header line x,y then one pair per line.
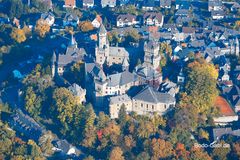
x,y
124,20
70,3
97,21
48,17
148,5
106,54
116,102
215,5
70,20
165,3
88,3
217,14
149,101
153,19
108,3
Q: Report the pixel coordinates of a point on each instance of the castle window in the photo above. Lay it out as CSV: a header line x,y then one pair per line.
x,y
152,107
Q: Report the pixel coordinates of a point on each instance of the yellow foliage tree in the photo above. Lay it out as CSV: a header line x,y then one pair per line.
x,y
18,35
86,26
42,28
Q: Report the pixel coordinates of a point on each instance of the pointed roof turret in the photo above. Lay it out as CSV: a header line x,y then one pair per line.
x,y
54,57
72,41
125,63
102,29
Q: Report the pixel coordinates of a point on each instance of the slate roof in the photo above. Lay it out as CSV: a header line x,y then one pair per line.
x,y
120,79
182,12
73,54
147,72
25,124
151,45
71,17
95,70
126,17
76,89
102,29
165,3
118,52
47,15
148,94
119,99
215,3
88,1
219,132
153,15
198,43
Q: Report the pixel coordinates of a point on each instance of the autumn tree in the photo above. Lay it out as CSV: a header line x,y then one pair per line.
x,y
42,28
122,115
89,132
145,129
203,134
201,85
32,102
199,154
186,117
86,26
45,143
27,31
113,37
160,149
220,153
65,104
116,154
18,35
131,36
180,135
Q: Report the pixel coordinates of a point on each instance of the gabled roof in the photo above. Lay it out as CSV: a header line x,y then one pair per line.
x,y
148,94
126,17
120,79
153,15
119,99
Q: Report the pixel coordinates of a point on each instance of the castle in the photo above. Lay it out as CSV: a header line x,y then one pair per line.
x,y
107,54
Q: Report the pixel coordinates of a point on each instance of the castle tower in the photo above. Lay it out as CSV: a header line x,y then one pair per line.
x,y
152,56
102,37
102,49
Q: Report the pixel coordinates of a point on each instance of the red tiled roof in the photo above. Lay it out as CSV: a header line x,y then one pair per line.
x,y
224,107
